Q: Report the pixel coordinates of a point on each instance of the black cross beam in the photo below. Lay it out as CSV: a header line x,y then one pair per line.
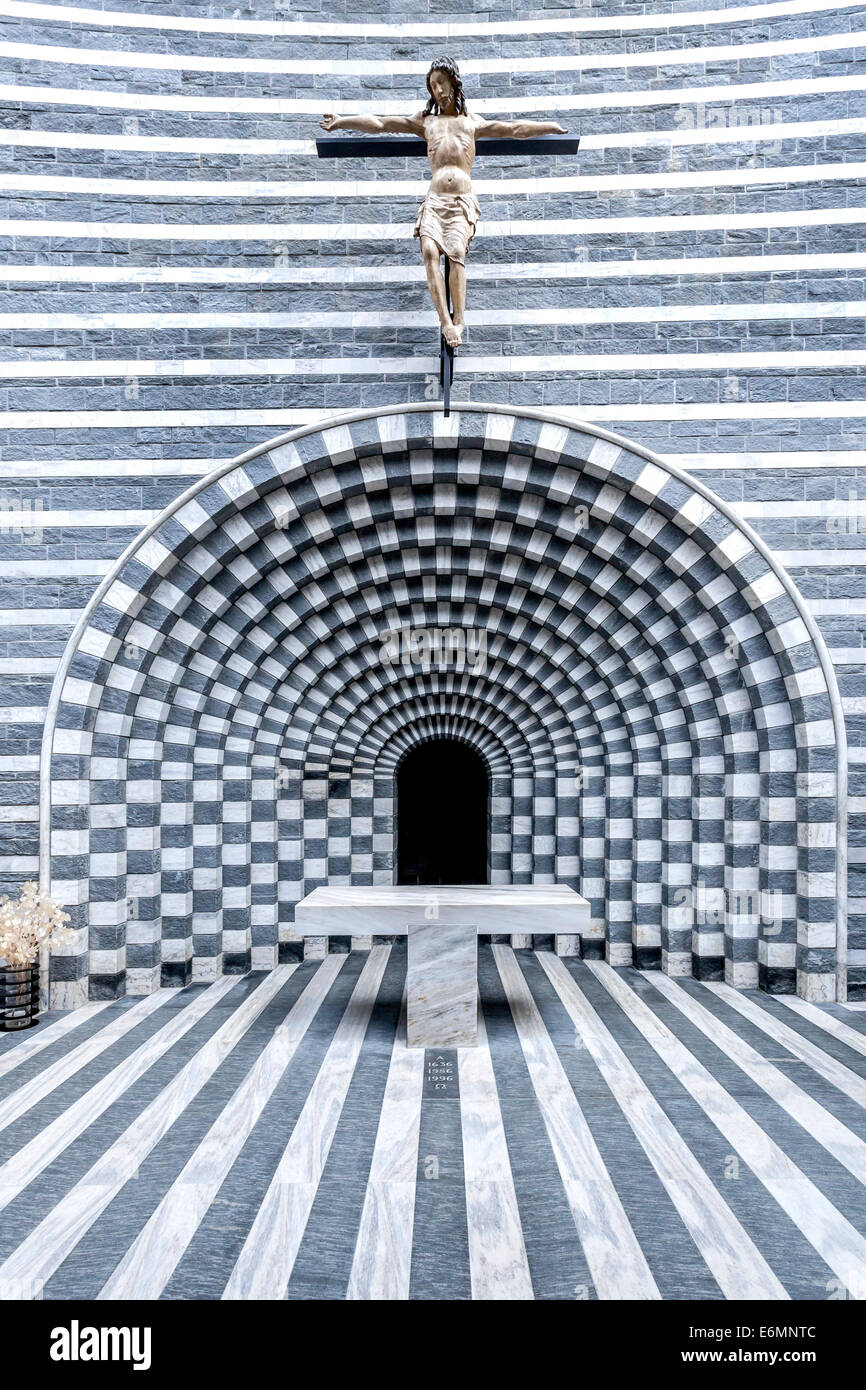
x,y
407,147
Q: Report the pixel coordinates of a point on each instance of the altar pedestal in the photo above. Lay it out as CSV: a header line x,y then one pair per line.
x,y
442,986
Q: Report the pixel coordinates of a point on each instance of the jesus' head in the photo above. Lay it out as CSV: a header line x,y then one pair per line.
x,y
446,89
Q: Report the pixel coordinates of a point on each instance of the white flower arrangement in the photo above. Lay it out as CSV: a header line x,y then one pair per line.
x,y
28,925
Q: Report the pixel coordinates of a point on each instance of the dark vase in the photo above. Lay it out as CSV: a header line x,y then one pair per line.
x,y
19,996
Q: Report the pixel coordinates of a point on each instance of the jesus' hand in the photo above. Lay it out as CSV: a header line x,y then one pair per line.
x,y
328,122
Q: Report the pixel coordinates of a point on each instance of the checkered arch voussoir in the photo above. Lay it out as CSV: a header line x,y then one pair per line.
x,y
637,673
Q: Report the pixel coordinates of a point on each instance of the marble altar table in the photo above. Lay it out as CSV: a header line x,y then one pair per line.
x,y
443,924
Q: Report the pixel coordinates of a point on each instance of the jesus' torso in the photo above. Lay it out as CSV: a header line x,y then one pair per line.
x,y
451,152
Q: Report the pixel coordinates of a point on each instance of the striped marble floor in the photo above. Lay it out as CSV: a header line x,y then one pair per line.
x,y
614,1135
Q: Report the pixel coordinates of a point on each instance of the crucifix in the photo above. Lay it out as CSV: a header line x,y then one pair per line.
x,y
448,216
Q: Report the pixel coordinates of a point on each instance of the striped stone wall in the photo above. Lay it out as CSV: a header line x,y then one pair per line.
x,y
182,278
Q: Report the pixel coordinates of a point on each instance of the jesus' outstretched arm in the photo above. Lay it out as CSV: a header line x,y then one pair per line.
x,y
516,130
377,125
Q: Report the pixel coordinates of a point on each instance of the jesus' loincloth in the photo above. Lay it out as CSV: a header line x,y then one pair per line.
x,y
449,219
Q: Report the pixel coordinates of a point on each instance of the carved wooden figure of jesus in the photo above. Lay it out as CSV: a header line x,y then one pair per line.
x,y
448,216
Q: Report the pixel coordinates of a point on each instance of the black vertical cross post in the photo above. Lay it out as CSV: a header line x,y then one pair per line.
x,y
403,146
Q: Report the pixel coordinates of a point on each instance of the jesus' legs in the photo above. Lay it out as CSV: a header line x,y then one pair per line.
x,y
436,285
458,296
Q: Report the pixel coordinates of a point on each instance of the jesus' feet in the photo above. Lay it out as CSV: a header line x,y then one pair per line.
x,y
451,333
459,330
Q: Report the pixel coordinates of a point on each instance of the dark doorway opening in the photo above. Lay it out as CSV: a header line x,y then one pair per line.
x,y
442,814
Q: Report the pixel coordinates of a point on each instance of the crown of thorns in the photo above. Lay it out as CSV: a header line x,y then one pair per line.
x,y
448,66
